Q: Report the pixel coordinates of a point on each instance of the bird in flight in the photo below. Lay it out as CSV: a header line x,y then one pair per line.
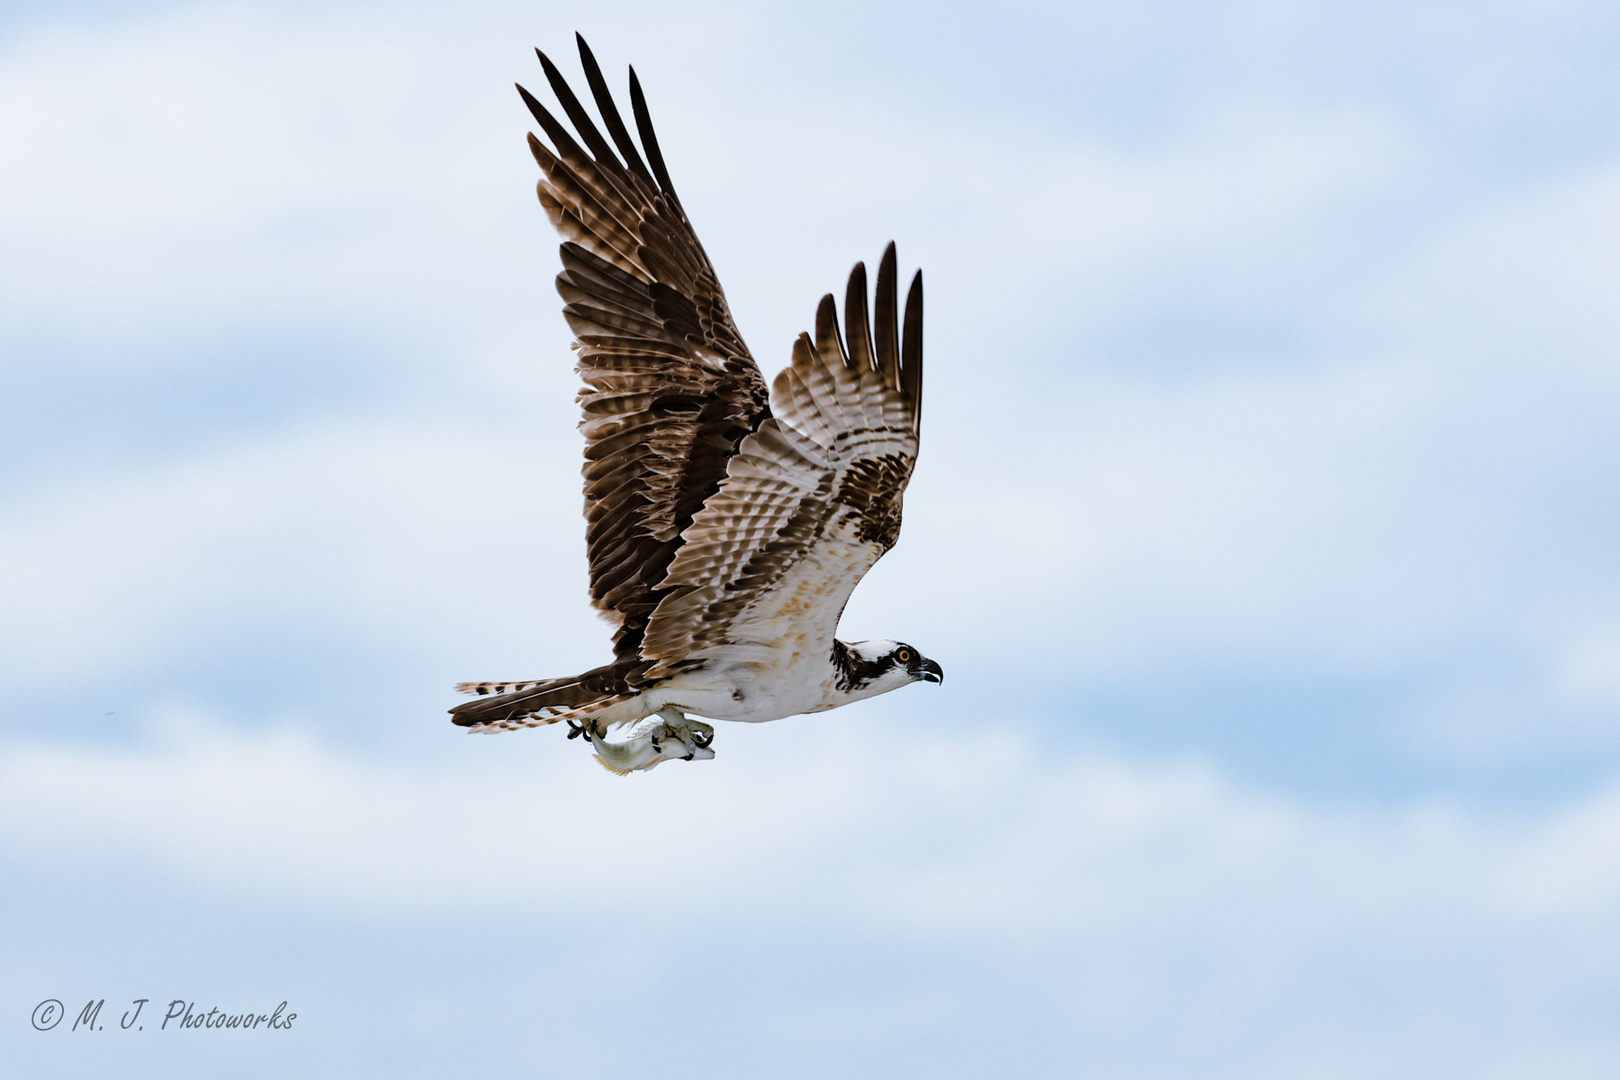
x,y
726,525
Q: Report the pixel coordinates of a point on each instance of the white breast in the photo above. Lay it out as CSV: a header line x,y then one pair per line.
x,y
779,660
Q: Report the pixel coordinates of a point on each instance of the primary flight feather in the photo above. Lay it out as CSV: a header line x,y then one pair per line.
x,y
726,525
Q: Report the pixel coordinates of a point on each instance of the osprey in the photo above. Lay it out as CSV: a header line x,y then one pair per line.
x,y
725,526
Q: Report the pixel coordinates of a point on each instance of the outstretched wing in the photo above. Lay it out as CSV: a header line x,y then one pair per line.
x,y
670,389
812,499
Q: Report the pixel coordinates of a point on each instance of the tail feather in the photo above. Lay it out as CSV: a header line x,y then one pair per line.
x,y
482,688
533,703
539,717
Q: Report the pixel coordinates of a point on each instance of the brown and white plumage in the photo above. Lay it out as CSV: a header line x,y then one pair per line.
x,y
725,527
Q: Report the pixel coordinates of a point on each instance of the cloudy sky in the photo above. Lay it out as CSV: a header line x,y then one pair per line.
x,y
1266,527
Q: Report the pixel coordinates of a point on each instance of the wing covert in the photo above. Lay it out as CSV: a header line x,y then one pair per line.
x,y
813,498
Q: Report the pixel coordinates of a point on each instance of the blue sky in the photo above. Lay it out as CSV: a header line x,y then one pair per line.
x,y
1265,526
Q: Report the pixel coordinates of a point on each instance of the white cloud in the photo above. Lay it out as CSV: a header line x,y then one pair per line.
x,y
1123,897
1589,669
398,528
213,164
1521,280
1304,509
997,833
1337,507
284,179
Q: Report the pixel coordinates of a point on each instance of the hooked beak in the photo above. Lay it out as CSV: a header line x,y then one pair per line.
x,y
929,671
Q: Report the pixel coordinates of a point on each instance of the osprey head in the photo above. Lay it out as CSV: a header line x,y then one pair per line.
x,y
868,668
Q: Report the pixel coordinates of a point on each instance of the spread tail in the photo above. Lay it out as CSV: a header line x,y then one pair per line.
x,y
530,703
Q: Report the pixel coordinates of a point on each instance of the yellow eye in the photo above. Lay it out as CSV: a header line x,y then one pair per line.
x,y
904,656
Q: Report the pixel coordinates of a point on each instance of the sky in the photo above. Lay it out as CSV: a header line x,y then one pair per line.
x,y
1265,527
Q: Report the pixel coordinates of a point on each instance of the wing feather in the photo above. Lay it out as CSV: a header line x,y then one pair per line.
x,y
818,485
670,389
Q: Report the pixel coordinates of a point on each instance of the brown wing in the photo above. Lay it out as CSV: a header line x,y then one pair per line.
x,y
811,500
670,390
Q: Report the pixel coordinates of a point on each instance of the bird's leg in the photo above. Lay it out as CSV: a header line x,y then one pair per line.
x,y
691,736
667,734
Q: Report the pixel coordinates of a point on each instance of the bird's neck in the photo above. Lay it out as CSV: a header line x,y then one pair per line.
x,y
854,676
